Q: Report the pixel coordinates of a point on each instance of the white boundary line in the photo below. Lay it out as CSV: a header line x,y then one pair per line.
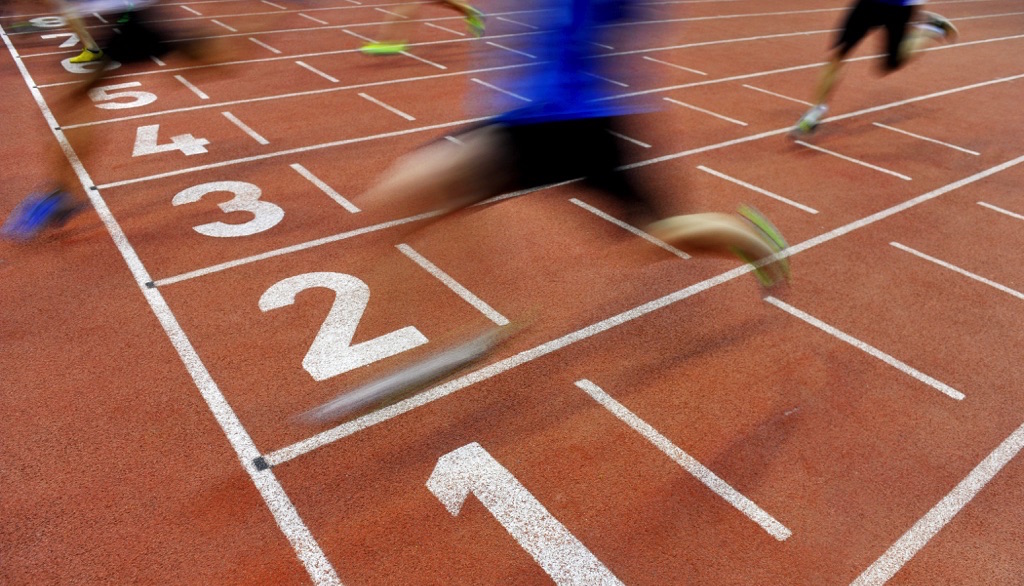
x,y
277,6
329,239
472,72
498,89
765,192
190,9
959,270
396,14
852,160
422,60
283,510
1001,210
157,61
329,78
928,526
631,229
446,29
219,23
509,20
771,93
867,348
391,109
510,50
925,138
687,462
653,60
605,79
265,46
489,371
202,95
709,112
456,287
245,128
327,189
314,19
629,139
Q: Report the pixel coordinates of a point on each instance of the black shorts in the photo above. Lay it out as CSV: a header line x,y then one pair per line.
x,y
544,153
870,14
138,39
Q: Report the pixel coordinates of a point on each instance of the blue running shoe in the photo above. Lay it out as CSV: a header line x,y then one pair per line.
x,y
37,212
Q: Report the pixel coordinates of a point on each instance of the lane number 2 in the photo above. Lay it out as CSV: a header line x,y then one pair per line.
x,y
333,352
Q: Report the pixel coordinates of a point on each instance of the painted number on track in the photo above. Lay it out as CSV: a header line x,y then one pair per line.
x,y
332,352
146,143
71,41
104,96
265,215
470,469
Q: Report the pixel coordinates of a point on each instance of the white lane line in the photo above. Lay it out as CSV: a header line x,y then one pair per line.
x,y
914,540
356,2
687,462
283,510
653,60
399,15
454,140
489,371
509,20
245,128
498,89
628,139
327,189
192,10
265,46
290,249
925,138
446,29
454,285
202,95
653,161
511,50
771,93
852,160
219,23
867,348
764,192
314,19
158,61
631,229
611,81
329,78
100,18
709,112
1001,210
386,107
609,47
277,6
348,32
959,270
422,60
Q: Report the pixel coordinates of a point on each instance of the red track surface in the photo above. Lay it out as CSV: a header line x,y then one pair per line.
x,y
135,414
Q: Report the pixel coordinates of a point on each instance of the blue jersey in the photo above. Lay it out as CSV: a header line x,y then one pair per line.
x,y
567,83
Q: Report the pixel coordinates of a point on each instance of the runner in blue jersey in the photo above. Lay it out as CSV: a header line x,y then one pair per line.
x,y
564,132
906,33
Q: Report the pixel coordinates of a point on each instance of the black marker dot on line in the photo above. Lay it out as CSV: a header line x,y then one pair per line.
x,y
93,188
261,463
151,285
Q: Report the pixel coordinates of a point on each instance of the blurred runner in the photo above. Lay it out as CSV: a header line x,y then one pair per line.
x,y
390,46
907,32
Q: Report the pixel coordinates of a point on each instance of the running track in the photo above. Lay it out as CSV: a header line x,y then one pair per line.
x,y
657,423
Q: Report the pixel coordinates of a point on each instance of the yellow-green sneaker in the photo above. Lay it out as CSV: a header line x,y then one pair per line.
x,y
771,235
476,22
383,48
87,56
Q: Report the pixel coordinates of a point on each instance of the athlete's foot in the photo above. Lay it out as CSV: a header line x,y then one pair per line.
x,y
87,56
38,212
809,121
475,21
776,270
940,25
384,48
